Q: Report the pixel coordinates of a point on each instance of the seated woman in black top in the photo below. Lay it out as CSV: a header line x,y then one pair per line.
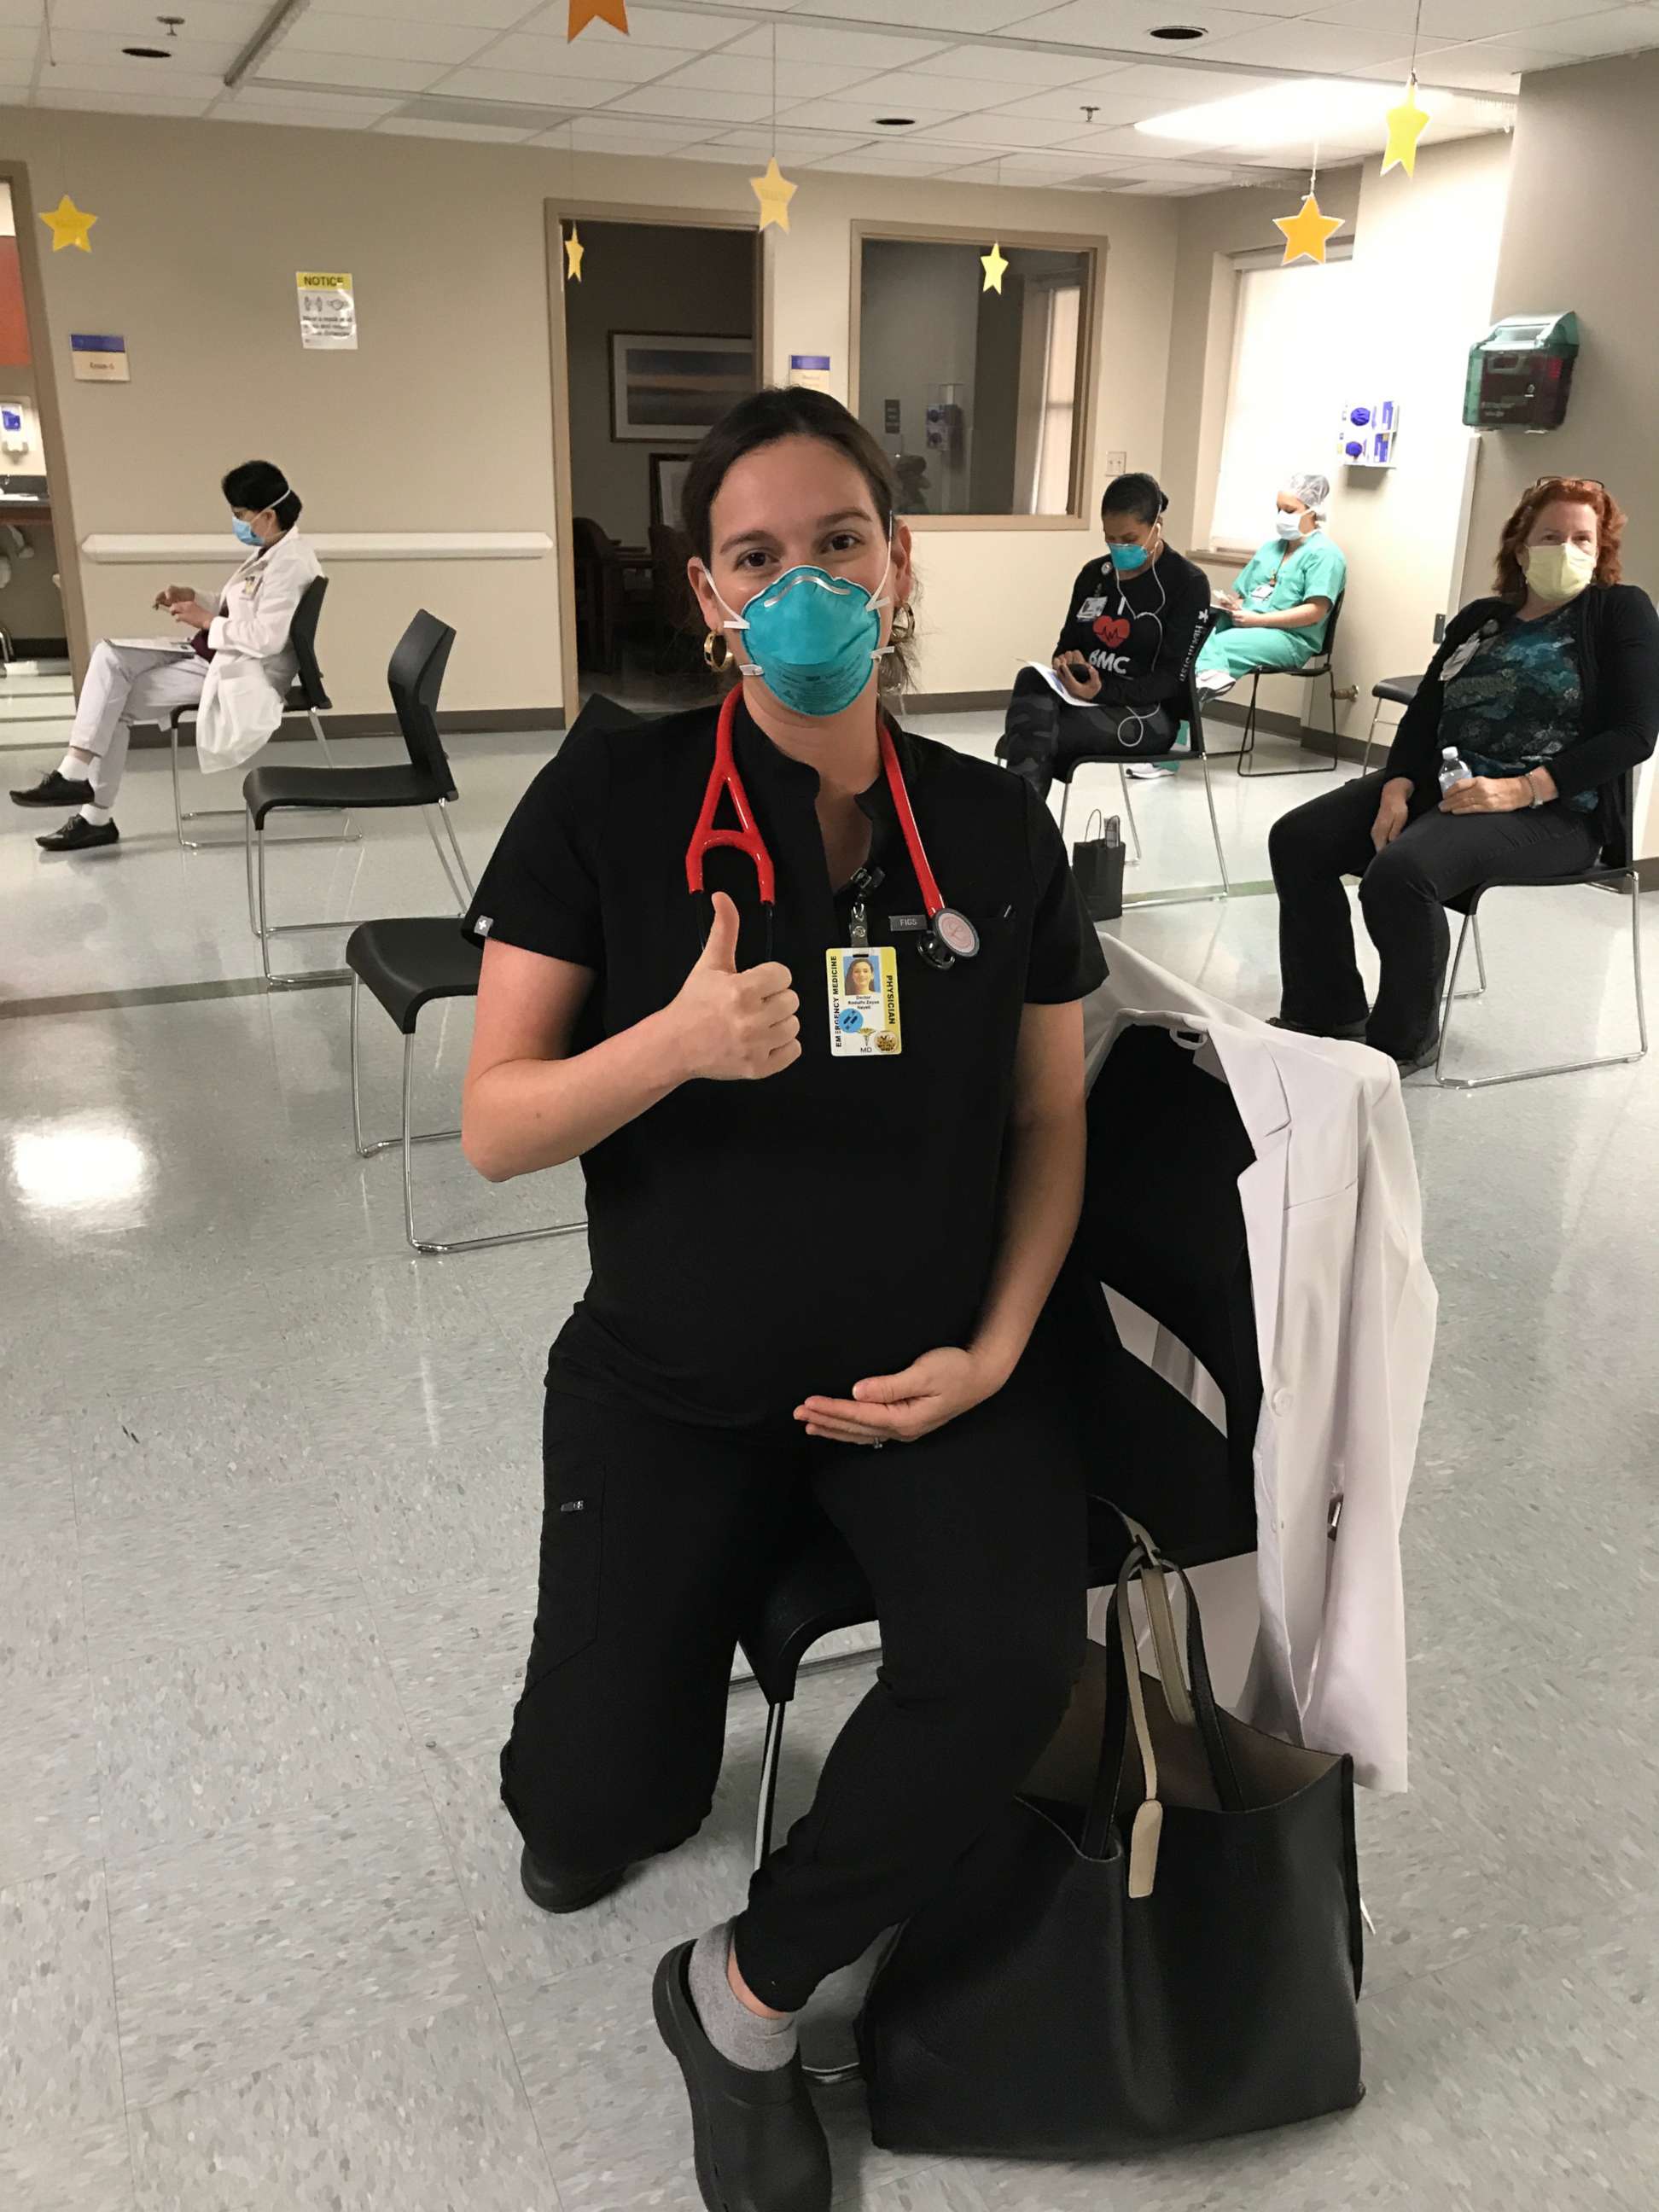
x,y
1549,693
1121,648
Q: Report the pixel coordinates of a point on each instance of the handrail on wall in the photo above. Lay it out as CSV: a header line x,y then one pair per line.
x,y
331,546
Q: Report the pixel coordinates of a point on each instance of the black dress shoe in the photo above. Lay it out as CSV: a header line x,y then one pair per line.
x,y
55,790
557,1889
759,2145
80,835
1345,1033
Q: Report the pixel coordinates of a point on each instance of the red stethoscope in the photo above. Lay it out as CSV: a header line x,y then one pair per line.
x,y
951,936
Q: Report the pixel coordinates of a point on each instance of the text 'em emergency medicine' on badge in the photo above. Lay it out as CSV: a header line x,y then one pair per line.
x,y
864,1004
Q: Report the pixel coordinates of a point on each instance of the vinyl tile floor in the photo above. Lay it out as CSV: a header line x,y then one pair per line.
x,y
269,1497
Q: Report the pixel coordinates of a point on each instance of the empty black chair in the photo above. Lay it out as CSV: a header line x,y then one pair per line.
x,y
1122,756
308,696
1321,663
415,676
407,962
1622,870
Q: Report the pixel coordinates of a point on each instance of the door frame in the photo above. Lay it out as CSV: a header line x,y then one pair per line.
x,y
65,539
557,213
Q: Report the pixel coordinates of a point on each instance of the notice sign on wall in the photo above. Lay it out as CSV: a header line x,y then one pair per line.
x,y
328,311
99,357
812,369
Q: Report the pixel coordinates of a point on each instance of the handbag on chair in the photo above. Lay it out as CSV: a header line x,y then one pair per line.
x,y
1159,1943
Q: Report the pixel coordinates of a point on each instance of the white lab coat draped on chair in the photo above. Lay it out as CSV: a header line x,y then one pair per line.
x,y
1344,1315
254,664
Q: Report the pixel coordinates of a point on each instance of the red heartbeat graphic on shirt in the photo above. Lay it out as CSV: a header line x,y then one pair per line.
x,y
1111,629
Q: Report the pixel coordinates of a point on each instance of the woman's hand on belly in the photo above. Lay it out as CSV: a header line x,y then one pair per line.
x,y
899,1409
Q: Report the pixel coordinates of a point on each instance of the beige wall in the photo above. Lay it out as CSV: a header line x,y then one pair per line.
x,y
1579,234
635,278
202,227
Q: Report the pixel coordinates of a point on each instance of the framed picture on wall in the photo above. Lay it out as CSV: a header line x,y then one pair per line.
x,y
668,389
667,481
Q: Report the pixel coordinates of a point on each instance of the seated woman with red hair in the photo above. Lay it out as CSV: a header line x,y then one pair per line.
x,y
1549,693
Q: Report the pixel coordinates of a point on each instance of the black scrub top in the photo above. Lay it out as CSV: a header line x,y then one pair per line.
x,y
755,1242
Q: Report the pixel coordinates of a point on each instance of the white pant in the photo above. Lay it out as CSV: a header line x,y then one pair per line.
x,y
124,684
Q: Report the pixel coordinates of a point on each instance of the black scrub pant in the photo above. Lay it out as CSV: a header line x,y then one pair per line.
x,y
1402,894
655,1535
1043,735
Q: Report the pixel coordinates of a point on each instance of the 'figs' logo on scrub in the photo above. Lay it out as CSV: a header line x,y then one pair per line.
x,y
484,925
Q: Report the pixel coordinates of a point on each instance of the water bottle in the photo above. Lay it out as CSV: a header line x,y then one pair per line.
x,y
1453,769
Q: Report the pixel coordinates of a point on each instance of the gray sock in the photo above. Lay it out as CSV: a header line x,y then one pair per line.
x,y
736,2032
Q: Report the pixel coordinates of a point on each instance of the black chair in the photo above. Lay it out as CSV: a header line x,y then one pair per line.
x,y
1625,872
308,696
1393,690
1321,663
407,962
1122,756
415,676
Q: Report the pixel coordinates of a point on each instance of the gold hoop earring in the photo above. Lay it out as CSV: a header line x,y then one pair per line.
x,y
905,624
716,638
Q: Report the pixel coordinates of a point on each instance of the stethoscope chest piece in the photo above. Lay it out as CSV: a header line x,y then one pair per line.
x,y
952,937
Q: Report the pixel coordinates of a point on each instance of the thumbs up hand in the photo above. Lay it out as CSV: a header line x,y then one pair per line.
x,y
735,1027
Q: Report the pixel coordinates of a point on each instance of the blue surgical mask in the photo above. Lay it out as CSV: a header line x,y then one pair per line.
x,y
1126,559
247,533
811,638
1287,526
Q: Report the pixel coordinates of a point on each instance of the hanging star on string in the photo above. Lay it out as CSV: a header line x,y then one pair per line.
x,y
574,251
774,191
68,225
1306,231
994,264
584,12
1406,125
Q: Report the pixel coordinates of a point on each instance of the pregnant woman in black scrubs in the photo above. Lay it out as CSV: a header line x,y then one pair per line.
x,y
824,1221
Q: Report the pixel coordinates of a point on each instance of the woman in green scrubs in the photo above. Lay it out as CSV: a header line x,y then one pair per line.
x,y
1278,613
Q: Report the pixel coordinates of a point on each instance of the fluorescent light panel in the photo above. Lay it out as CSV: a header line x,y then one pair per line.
x,y
1281,115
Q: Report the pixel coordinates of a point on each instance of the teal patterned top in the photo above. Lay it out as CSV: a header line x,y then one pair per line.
x,y
1518,700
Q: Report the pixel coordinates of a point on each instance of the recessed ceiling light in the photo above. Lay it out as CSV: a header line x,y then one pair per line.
x,y
147,54
1178,32
894,122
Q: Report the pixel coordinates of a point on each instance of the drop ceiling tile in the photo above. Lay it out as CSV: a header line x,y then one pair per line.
x,y
367,72
1004,64
468,15
216,53
1447,19
1614,31
482,134
751,73
475,83
887,161
18,49
303,118
209,18
1341,48
943,15
1004,132
1129,24
347,104
809,42
605,134
962,95
120,103
728,106
1494,64
96,76
330,33
620,61
1125,95
792,145
858,115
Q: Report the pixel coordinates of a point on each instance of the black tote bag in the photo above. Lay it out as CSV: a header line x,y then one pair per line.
x,y
1159,1943
1098,868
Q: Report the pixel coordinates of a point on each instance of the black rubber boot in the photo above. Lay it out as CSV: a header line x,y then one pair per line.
x,y
759,2144
560,1889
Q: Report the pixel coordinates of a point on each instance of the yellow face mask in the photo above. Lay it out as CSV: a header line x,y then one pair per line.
x,y
1558,572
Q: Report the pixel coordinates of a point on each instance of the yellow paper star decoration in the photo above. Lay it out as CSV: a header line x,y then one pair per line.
x,y
1406,125
574,251
994,264
584,12
68,225
1306,231
774,191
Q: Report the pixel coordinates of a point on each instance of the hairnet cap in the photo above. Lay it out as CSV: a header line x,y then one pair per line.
x,y
1310,488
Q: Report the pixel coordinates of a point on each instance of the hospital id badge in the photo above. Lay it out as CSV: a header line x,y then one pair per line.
x,y
1262,594
863,1005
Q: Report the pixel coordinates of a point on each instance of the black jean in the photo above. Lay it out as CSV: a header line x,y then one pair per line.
x,y
1402,894
655,1536
1041,734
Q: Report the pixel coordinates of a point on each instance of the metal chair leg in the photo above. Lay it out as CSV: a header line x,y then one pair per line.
x,y
1064,803
1215,827
1371,737
1129,816
445,817
766,1812
181,813
1632,880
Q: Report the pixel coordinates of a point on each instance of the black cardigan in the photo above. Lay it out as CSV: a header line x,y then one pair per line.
x,y
1616,631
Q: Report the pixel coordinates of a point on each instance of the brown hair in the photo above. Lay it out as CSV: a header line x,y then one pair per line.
x,y
1582,491
793,411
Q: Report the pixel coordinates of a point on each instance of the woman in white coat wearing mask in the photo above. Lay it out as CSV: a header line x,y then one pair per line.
x,y
231,659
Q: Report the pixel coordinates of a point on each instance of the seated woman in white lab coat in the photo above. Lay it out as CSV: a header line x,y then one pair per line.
x,y
231,660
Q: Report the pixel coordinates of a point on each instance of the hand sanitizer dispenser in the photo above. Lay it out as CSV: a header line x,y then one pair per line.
x,y
14,439
1367,436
